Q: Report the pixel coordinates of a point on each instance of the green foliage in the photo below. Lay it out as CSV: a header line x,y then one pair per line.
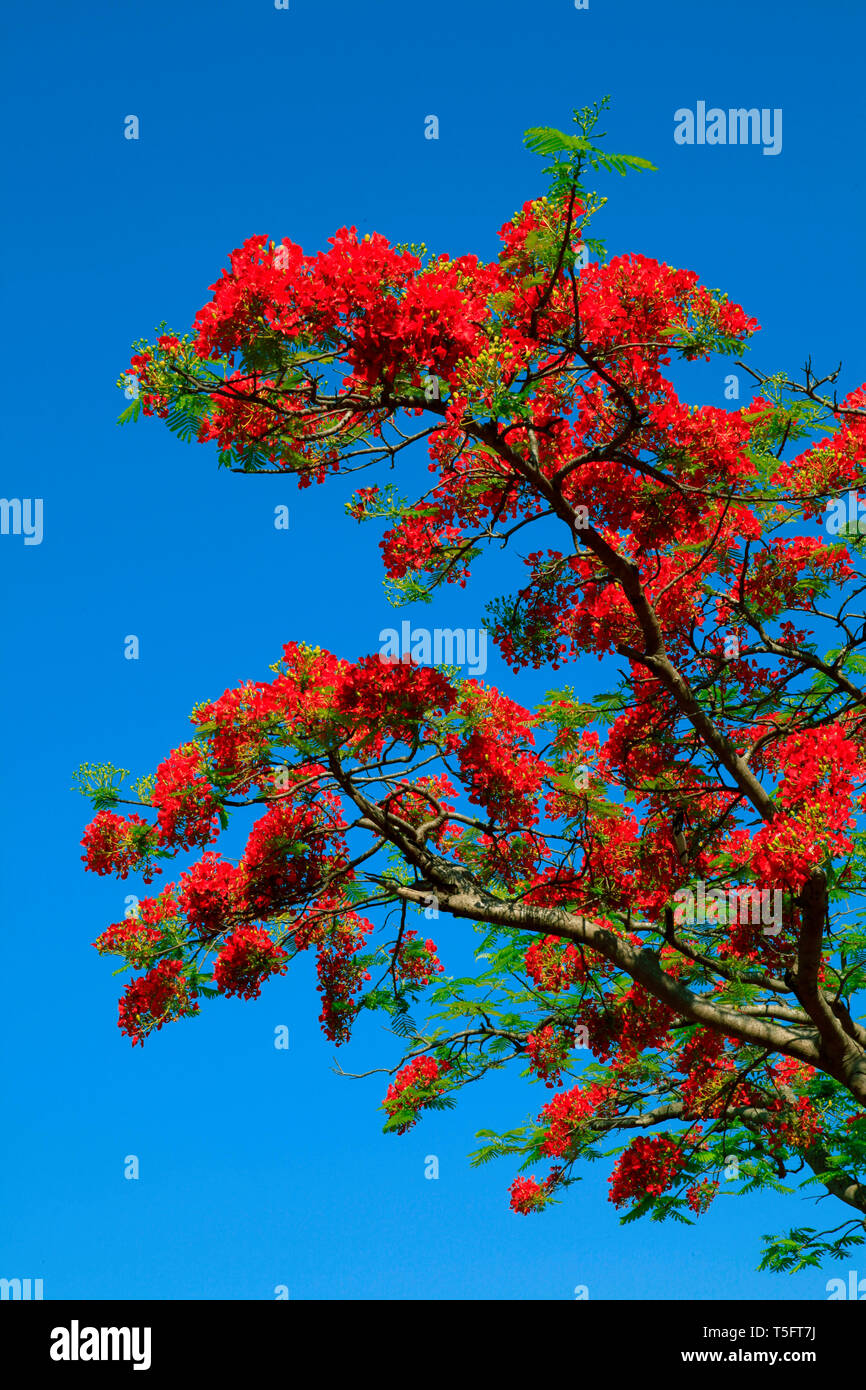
x,y
131,412
571,154
806,1248
100,782
546,141
513,1141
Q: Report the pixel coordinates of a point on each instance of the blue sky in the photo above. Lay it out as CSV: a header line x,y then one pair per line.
x,y
261,1168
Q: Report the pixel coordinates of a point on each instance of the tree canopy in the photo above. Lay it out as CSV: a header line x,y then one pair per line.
x,y
664,883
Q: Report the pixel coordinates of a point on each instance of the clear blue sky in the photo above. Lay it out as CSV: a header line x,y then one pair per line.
x,y
259,1167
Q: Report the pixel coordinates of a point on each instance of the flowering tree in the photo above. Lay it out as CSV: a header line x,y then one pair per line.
x,y
664,881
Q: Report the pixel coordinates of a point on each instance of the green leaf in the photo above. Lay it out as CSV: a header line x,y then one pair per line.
x,y
546,141
131,412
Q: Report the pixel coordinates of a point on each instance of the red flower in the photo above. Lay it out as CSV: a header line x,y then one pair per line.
x,y
648,1167
246,959
414,1087
185,802
115,844
158,997
527,1195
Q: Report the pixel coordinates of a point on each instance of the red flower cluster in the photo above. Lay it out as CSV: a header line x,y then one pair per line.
x,y
564,1115
819,770
499,771
645,1021
389,700
158,997
413,1087
116,845
284,856
552,967
246,959
416,963
799,1126
184,800
700,1195
548,1053
341,974
131,939
648,1167
158,911
527,1195
211,892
